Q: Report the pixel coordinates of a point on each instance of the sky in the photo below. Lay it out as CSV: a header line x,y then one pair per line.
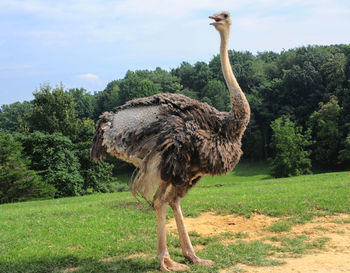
x,y
88,43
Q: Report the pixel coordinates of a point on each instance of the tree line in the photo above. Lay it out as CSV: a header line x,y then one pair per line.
x,y
299,98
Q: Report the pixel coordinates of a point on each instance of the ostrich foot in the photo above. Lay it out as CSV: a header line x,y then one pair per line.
x,y
196,260
167,265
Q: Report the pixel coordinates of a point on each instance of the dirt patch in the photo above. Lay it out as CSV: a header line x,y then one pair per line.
x,y
140,255
136,255
77,247
108,259
327,262
70,269
334,258
209,224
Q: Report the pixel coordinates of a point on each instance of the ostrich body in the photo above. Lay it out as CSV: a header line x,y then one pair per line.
x,y
174,141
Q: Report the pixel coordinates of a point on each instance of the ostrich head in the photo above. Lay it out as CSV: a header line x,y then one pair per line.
x,y
222,21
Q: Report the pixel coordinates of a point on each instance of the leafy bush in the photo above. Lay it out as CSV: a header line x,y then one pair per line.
x,y
344,154
53,157
325,125
17,182
96,176
288,144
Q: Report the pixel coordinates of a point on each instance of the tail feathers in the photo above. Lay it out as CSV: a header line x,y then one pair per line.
x,y
146,179
98,150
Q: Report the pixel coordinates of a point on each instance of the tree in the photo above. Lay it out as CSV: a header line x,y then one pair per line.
x,y
96,176
53,157
15,116
333,72
253,143
193,77
189,93
133,86
289,144
326,131
17,182
247,68
163,80
344,154
83,103
186,74
53,111
216,94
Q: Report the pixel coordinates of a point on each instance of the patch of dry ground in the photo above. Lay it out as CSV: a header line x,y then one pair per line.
x,y
333,259
70,269
136,255
209,224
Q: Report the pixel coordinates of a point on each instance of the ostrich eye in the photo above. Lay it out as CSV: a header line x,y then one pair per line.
x,y
225,16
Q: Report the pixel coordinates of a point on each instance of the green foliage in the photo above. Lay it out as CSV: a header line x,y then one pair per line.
x,y
289,144
325,125
83,103
248,69
14,117
189,93
133,86
54,158
344,154
297,83
146,88
193,77
106,100
141,83
17,182
253,144
216,94
290,83
53,111
333,71
96,176
163,80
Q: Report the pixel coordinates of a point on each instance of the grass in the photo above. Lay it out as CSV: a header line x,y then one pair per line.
x,y
99,233
280,226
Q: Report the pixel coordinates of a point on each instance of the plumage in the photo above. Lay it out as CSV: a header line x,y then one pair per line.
x,y
174,141
191,137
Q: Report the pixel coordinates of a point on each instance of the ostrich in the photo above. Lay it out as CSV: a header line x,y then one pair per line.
x,y
174,141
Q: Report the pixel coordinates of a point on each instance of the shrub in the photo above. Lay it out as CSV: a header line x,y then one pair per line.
x,y
53,157
326,130
17,182
288,144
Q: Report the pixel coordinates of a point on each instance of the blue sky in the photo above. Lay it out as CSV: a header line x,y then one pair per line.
x,y
88,43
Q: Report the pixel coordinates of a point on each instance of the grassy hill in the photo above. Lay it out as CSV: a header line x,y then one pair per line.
x,y
99,233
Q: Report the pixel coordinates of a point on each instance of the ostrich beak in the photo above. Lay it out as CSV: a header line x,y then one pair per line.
x,y
217,20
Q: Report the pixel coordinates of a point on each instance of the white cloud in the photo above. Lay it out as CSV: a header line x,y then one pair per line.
x,y
89,81
132,20
88,77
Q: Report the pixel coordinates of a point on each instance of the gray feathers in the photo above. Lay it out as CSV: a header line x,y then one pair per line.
x,y
187,138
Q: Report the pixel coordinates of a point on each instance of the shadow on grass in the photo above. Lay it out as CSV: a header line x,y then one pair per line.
x,y
141,206
74,264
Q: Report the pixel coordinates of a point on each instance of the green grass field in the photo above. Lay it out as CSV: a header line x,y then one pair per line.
x,y
99,233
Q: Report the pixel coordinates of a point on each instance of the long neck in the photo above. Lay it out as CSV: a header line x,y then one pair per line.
x,y
237,97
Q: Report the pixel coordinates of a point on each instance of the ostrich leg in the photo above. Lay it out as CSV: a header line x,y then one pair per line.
x,y
186,246
166,263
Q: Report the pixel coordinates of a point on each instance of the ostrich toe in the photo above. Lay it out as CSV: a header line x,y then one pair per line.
x,y
168,265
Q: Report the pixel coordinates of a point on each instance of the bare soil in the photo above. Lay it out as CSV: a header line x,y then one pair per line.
x,y
333,258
